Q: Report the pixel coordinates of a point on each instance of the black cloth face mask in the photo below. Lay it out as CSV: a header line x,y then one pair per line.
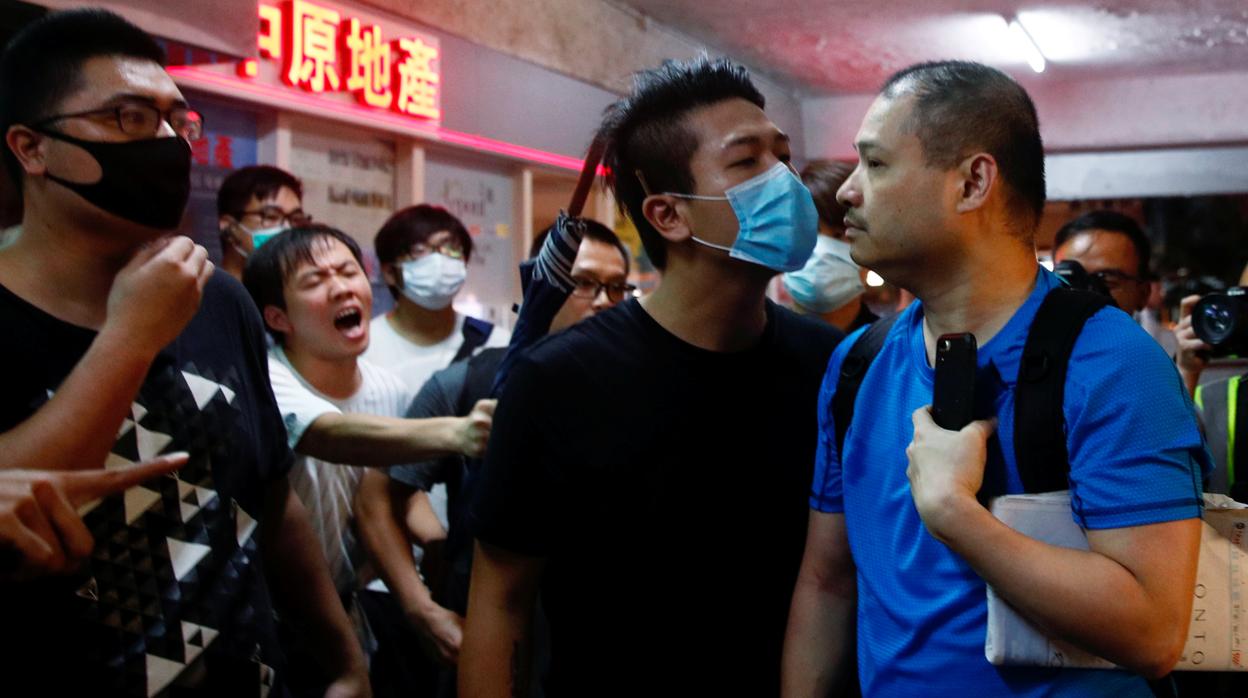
x,y
146,182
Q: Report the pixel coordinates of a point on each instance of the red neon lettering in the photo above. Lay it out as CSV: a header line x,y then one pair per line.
x,y
311,48
368,64
269,40
417,80
199,151
223,153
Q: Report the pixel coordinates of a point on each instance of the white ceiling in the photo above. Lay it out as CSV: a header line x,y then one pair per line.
x,y
829,47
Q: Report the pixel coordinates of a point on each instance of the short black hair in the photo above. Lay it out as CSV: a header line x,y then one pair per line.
x,y
260,181
646,132
269,266
824,178
594,231
962,107
42,65
413,225
1113,222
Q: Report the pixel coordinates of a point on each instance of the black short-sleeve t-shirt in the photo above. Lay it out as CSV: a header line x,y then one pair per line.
x,y
666,487
172,598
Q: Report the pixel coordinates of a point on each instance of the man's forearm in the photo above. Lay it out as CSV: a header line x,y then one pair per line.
x,y
817,647
371,440
1087,597
93,400
495,659
295,566
380,526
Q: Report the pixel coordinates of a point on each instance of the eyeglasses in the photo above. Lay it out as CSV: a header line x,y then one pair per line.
x,y
138,119
1113,278
590,288
450,249
272,216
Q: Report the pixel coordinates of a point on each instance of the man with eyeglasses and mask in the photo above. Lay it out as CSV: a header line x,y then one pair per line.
x,y
424,252
172,600
648,467
392,510
254,204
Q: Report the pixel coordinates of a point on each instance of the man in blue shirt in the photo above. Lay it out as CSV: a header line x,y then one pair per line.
x,y
945,202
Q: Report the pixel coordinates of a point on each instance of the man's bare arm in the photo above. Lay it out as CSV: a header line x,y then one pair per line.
x,y
380,503
495,658
817,647
1128,599
372,440
295,565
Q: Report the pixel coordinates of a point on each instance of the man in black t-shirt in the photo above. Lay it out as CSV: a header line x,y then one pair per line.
x,y
172,600
648,468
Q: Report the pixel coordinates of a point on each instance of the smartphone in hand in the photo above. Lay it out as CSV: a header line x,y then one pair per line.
x,y
953,395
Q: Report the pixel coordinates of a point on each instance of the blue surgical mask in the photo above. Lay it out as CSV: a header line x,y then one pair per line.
x,y
828,281
259,237
776,217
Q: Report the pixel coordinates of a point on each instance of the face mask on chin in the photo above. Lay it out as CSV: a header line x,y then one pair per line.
x,y
147,182
777,222
433,280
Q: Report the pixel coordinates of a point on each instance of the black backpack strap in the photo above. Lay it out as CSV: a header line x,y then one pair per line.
x,y
1039,423
853,371
476,332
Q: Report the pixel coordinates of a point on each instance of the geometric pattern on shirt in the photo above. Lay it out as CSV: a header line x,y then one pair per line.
x,y
173,564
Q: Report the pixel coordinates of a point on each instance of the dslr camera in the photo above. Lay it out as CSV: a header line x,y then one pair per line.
x,y
1221,321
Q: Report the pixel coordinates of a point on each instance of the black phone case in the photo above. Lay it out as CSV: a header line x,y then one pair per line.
x,y
953,395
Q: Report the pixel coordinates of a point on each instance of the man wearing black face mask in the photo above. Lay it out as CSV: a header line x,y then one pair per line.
x,y
172,599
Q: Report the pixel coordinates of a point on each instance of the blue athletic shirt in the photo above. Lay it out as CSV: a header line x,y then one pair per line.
x,y
1137,457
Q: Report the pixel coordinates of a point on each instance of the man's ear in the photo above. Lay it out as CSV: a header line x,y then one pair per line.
x,y
28,147
663,214
276,319
390,274
978,178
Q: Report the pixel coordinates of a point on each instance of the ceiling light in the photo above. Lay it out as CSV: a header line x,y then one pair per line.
x,y
1027,45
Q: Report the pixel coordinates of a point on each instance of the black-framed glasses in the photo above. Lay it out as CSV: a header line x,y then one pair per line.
x,y
138,119
590,288
273,216
1113,278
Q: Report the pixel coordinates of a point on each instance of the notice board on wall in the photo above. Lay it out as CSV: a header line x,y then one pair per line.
x,y
482,197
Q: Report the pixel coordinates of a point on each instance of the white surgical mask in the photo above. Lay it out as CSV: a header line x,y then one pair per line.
x,y
433,280
828,281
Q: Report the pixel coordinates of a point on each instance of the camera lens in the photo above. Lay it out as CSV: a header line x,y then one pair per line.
x,y
1216,321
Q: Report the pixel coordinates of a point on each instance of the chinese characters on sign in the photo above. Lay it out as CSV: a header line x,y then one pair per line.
x,y
320,50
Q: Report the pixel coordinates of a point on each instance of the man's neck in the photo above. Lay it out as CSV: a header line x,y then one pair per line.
x,y
232,261
979,296
336,378
421,326
711,304
62,269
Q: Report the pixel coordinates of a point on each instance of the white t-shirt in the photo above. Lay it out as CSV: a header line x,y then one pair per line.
x,y
328,489
415,364
412,362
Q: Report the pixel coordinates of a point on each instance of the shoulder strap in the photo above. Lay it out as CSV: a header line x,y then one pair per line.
x,y
478,379
853,371
1237,439
1039,423
475,332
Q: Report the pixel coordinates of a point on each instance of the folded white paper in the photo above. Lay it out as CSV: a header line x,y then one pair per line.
x,y
1218,635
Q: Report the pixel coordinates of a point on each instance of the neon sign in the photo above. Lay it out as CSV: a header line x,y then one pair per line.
x,y
320,50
